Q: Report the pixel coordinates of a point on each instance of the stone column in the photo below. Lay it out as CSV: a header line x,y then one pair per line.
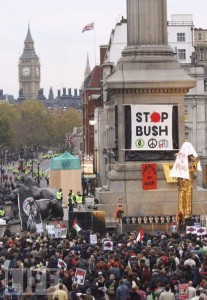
x,y
146,22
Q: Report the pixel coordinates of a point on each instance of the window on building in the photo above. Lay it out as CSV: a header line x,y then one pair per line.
x,y
201,54
199,36
187,135
180,37
186,113
181,54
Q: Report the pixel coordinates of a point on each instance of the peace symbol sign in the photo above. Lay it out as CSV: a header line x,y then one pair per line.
x,y
152,143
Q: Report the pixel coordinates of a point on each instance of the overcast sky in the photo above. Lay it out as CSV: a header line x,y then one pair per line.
x,y
56,27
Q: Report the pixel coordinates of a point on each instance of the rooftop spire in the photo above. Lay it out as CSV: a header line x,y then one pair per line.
x,y
87,69
29,50
29,38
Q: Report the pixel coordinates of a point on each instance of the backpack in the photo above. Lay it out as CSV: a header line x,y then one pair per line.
x,y
111,289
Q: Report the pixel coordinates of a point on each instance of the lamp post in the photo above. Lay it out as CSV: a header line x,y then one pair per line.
x,y
2,164
32,161
38,174
95,163
83,169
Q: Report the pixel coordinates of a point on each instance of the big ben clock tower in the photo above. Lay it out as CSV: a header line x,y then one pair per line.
x,y
29,70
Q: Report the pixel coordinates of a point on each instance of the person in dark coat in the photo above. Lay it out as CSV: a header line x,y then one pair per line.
x,y
196,276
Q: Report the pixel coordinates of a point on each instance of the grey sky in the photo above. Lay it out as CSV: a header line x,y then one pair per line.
x,y
56,27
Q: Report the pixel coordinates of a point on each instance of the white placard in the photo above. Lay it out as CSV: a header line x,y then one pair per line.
x,y
108,246
50,229
93,239
63,233
39,228
57,232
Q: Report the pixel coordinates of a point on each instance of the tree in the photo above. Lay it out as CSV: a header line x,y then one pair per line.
x,y
30,123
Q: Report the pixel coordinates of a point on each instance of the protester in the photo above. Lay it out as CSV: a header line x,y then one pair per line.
x,y
33,266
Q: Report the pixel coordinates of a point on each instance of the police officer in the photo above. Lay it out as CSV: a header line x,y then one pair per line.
x,y
79,201
59,197
71,201
2,212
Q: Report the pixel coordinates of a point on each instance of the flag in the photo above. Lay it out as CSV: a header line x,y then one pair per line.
x,y
29,212
76,226
89,26
140,235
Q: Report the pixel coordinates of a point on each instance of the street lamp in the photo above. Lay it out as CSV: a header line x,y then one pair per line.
x,y
38,174
32,160
2,164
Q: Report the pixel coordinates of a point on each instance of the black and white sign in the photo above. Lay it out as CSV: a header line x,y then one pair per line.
x,y
151,127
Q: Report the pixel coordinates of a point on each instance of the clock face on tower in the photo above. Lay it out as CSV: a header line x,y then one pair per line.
x,y
37,71
26,71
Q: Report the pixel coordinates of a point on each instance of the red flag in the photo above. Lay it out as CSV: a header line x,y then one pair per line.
x,y
89,26
76,226
140,235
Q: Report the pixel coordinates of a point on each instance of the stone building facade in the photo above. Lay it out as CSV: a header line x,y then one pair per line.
x,y
200,43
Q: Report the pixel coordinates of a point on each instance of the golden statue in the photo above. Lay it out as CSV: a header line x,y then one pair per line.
x,y
184,169
186,188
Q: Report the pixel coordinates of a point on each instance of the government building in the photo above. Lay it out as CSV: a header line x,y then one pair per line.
x,y
29,74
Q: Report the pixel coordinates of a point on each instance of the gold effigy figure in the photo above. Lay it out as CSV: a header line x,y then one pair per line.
x,y
185,187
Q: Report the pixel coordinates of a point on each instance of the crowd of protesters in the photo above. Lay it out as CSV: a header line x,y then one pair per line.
x,y
150,269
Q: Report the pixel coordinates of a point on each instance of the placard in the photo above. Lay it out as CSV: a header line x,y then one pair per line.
x,y
108,246
80,275
167,167
183,291
50,229
93,239
149,176
39,228
57,232
63,233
